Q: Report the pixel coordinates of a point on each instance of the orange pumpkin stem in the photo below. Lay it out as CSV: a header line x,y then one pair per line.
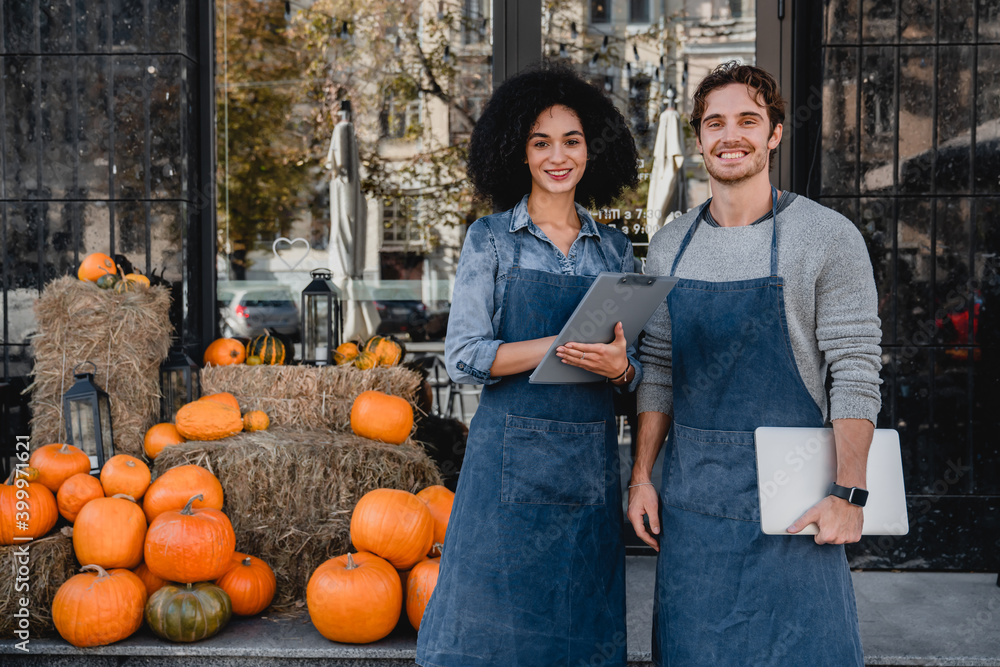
x,y
439,546
101,572
351,565
124,495
63,450
246,561
187,508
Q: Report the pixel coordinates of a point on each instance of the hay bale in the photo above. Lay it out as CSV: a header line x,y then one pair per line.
x,y
307,396
51,562
126,334
290,493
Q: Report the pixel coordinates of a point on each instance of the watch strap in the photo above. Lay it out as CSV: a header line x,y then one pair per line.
x,y
852,494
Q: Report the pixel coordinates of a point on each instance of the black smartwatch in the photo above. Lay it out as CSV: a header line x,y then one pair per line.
x,y
852,494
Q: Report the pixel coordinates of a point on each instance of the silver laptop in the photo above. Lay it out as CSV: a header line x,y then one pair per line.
x,y
795,467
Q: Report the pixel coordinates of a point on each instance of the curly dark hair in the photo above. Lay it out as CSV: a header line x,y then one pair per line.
x,y
765,89
499,140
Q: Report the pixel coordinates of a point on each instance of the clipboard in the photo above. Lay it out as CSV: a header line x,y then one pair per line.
x,y
629,298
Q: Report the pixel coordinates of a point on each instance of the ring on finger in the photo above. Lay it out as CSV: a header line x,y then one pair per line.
x,y
583,356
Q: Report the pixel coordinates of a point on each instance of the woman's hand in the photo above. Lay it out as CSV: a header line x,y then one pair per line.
x,y
608,359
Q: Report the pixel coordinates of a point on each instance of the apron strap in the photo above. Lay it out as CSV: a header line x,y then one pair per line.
x,y
688,237
774,232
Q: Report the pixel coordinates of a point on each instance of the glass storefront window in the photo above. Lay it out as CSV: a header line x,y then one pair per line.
x,y
342,131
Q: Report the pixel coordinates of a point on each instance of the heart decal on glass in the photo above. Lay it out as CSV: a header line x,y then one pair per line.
x,y
290,243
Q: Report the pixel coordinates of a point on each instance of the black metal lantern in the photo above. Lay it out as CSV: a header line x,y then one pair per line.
x,y
87,410
322,319
179,383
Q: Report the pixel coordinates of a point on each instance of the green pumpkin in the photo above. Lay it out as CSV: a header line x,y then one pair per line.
x,y
188,613
269,349
108,281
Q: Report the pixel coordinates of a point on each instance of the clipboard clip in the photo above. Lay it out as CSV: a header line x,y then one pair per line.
x,y
637,279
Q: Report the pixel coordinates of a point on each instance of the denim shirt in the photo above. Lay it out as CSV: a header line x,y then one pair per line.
x,y
470,346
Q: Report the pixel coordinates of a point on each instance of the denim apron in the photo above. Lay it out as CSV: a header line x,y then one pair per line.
x,y
533,567
726,594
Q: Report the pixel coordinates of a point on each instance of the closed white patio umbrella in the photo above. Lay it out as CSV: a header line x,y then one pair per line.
x,y
348,229
668,159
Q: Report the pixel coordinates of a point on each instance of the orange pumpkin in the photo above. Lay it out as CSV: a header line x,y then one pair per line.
x,y
388,351
345,353
160,436
393,524
439,501
256,420
96,265
76,492
419,587
58,462
172,489
382,417
250,584
354,598
208,420
126,475
191,545
223,397
20,523
150,581
98,608
136,279
109,532
225,351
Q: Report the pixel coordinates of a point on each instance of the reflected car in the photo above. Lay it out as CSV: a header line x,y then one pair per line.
x,y
247,312
400,313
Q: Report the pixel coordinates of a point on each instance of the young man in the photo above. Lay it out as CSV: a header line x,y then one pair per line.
x,y
775,290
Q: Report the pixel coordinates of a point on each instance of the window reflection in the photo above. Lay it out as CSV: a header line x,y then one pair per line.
x,y
381,187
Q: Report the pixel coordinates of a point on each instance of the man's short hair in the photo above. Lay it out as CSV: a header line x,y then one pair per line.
x,y
767,94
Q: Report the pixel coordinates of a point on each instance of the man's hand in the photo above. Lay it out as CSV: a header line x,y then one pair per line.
x,y
643,501
839,521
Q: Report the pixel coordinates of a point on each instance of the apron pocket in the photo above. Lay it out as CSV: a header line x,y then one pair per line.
x,y
712,472
553,462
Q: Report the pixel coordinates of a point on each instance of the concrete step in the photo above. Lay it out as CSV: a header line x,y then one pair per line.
x,y
907,619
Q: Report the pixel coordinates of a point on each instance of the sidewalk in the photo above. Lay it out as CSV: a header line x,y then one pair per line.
x,y
907,619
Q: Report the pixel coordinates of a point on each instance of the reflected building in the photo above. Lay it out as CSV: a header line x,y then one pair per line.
x,y
894,123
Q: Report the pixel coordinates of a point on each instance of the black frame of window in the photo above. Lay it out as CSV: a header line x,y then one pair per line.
x,y
949,459
60,39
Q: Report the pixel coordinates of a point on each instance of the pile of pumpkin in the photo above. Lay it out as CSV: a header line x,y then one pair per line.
x,y
171,559
211,417
264,350
376,351
358,598
101,270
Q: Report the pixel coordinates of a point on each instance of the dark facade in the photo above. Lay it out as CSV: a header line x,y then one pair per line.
x,y
895,116
107,146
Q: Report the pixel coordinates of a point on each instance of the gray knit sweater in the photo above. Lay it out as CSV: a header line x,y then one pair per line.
x,y
830,299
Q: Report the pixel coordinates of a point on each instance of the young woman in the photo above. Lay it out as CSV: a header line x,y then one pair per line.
x,y
533,570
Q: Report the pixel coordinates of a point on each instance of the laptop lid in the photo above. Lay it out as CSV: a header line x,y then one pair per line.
x,y
795,467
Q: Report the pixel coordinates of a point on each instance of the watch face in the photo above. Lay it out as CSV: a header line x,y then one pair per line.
x,y
858,497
